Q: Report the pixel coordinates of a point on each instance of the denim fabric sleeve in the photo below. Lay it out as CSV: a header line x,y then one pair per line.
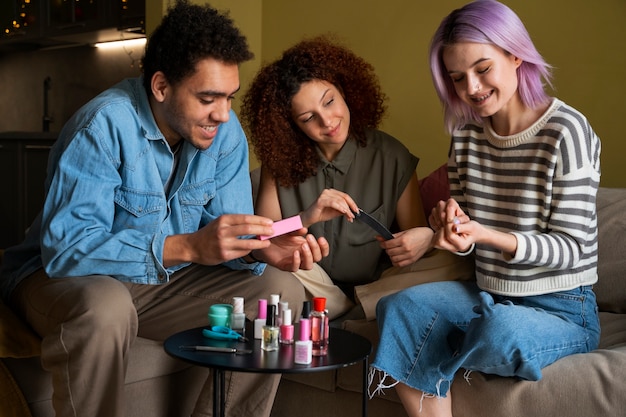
x,y
79,234
106,210
257,268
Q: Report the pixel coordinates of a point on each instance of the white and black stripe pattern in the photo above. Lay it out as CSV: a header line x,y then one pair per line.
x,y
540,185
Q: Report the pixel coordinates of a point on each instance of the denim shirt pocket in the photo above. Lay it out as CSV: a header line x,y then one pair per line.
x,y
360,233
138,210
193,199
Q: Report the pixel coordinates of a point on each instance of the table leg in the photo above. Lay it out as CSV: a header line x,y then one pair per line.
x,y
365,369
219,386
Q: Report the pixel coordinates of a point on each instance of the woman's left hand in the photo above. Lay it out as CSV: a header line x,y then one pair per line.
x,y
408,246
295,250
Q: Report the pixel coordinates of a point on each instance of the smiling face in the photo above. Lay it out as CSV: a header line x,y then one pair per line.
x,y
484,77
194,108
320,111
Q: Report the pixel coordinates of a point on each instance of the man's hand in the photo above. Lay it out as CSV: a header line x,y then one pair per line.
x,y
219,241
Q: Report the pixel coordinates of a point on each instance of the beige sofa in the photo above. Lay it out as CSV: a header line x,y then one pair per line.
x,y
589,385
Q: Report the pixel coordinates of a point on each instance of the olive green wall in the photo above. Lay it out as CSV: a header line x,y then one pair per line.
x,y
585,42
247,15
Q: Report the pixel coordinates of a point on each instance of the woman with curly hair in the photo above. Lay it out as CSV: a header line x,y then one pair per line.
x,y
312,117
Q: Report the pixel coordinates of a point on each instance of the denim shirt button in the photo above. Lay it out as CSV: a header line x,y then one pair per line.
x,y
161,277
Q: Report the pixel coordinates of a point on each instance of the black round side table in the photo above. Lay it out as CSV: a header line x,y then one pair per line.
x,y
345,349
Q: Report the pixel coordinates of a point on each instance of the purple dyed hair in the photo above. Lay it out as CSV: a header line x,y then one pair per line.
x,y
490,22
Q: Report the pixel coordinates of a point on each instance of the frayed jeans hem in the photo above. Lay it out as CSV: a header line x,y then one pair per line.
x,y
386,380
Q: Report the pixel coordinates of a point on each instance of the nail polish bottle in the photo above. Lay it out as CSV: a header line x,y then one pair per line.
x,y
282,306
304,346
238,318
259,322
275,301
286,328
270,330
319,327
306,309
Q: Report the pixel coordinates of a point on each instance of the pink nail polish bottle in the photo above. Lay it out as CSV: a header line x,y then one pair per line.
x,y
304,346
259,322
286,328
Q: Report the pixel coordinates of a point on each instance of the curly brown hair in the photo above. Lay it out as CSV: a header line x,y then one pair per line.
x,y
187,34
281,147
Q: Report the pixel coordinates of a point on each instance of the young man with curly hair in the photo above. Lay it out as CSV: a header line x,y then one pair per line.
x,y
145,221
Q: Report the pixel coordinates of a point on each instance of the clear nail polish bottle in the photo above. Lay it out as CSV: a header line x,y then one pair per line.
x,y
269,341
238,318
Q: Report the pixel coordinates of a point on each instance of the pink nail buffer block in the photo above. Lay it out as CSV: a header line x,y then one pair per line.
x,y
287,225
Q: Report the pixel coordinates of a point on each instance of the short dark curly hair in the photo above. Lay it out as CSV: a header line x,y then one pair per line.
x,y
187,34
281,147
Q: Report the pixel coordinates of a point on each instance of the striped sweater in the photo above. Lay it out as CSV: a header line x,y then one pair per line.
x,y
540,185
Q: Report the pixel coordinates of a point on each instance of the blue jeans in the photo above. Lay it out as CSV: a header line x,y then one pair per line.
x,y
430,331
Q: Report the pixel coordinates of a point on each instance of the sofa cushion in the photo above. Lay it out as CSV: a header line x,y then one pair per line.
x,y
613,330
434,188
17,340
13,402
147,360
611,287
151,373
588,384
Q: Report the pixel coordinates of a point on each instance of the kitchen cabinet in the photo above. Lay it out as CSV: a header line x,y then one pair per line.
x,y
34,24
23,162
20,21
72,16
67,18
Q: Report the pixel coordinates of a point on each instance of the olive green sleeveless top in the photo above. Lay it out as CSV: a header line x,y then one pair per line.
x,y
374,176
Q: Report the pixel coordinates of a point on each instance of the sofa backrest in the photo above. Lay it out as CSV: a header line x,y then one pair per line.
x,y
611,287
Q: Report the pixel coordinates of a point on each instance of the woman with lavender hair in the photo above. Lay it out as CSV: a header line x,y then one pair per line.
x,y
524,171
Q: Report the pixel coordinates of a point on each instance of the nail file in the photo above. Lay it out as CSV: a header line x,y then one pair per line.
x,y
374,224
287,225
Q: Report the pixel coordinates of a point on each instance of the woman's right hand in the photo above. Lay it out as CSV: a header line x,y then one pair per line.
x,y
330,203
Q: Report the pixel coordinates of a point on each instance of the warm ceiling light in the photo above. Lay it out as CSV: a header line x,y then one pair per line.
x,y
126,43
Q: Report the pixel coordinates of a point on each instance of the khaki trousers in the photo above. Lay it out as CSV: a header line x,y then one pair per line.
x,y
88,325
437,265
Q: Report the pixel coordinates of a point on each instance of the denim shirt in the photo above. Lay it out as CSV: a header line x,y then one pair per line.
x,y
107,211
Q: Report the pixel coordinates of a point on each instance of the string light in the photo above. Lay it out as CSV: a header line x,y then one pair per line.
x,y
24,17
